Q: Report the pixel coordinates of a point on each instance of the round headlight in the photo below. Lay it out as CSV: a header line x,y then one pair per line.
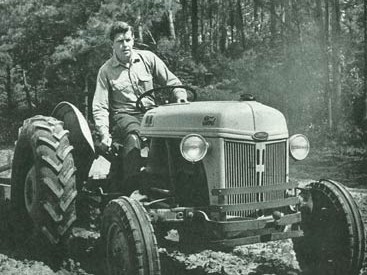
x,y
194,147
299,147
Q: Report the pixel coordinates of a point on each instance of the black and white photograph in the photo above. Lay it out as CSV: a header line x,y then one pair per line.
x,y
183,137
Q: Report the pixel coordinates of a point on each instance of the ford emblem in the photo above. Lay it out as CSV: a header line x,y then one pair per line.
x,y
260,136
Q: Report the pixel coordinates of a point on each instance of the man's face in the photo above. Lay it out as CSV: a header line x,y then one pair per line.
x,y
123,45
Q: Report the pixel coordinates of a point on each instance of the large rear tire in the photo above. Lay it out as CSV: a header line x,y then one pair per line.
x,y
334,238
128,239
43,180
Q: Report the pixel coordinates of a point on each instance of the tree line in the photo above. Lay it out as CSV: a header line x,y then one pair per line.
x,y
304,57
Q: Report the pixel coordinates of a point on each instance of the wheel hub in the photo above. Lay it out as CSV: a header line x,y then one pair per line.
x,y
118,254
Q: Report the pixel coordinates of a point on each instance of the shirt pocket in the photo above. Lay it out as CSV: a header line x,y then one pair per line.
x,y
120,86
145,81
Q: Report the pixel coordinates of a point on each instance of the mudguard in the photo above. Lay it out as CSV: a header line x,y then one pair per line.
x,y
80,136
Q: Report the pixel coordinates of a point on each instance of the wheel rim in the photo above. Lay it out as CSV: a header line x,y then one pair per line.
x,y
333,242
118,253
30,190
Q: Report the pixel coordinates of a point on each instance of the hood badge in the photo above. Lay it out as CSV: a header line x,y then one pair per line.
x,y
148,121
209,120
260,136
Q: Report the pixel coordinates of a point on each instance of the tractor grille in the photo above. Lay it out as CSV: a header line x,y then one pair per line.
x,y
254,164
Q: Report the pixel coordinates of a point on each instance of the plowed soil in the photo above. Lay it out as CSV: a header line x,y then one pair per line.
x,y
83,255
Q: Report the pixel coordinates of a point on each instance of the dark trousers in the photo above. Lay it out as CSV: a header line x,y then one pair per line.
x,y
125,131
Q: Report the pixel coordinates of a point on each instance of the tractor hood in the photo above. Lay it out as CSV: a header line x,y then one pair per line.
x,y
228,119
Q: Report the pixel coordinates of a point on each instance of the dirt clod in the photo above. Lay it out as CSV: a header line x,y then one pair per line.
x,y
84,255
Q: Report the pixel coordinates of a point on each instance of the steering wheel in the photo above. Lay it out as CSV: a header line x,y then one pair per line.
x,y
167,90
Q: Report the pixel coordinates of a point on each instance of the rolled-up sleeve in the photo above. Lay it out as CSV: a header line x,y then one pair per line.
x,y
100,104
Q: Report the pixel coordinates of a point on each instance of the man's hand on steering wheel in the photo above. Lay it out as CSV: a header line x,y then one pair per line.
x,y
179,92
181,100
181,95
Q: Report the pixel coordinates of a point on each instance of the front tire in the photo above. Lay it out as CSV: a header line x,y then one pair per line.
x,y
43,187
128,239
334,238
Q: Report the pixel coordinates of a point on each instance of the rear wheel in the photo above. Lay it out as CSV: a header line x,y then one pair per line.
x,y
43,180
334,239
128,239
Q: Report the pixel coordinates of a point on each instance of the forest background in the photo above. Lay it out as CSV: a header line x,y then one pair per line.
x,y
303,57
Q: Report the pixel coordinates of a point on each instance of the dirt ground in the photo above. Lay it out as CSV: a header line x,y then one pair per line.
x,y
347,168
82,256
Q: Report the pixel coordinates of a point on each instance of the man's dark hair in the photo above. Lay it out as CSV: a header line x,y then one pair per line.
x,y
119,27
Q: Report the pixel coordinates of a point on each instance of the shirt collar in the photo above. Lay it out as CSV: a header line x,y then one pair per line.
x,y
134,58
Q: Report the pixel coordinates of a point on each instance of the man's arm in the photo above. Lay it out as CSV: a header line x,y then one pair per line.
x,y
100,106
165,77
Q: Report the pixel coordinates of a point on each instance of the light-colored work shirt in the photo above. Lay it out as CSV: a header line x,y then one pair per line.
x,y
119,86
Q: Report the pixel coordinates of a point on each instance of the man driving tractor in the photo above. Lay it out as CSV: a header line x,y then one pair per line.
x,y
120,81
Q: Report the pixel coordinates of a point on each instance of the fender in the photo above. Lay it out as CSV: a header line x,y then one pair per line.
x,y
80,136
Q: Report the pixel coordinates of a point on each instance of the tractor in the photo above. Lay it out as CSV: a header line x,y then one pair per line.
x,y
215,171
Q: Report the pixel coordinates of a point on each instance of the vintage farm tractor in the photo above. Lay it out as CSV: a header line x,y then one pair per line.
x,y
216,171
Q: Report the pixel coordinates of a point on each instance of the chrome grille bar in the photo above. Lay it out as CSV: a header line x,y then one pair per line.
x,y
275,168
254,164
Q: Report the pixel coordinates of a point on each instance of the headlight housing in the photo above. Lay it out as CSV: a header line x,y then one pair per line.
x,y
299,146
194,147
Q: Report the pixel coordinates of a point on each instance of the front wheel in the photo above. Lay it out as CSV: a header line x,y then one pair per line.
x,y
334,238
128,239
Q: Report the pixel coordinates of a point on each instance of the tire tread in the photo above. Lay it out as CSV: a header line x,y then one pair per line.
x,y
48,149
